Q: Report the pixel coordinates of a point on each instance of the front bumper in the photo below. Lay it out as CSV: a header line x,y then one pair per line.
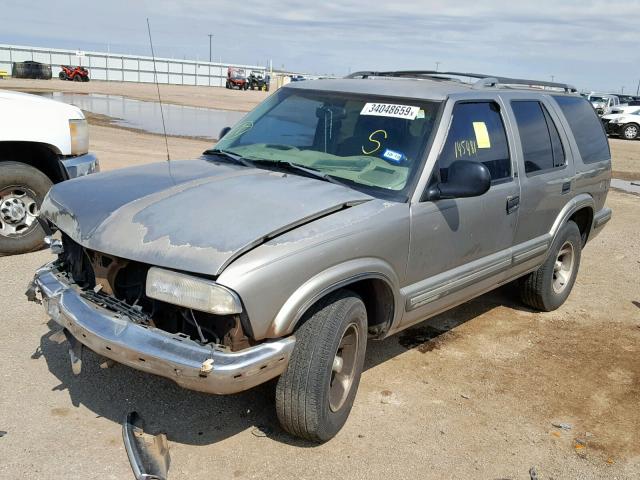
x,y
189,364
80,165
612,128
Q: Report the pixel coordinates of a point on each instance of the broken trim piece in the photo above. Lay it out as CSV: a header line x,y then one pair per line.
x,y
148,454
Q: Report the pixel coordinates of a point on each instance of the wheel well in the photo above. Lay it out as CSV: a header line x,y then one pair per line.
x,y
378,299
583,218
37,155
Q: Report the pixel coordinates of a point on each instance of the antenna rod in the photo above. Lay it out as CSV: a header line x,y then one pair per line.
x,y
155,77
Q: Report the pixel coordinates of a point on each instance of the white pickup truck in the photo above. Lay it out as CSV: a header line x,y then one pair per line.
x,y
42,142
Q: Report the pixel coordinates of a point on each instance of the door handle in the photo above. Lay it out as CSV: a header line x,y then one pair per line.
x,y
513,203
566,186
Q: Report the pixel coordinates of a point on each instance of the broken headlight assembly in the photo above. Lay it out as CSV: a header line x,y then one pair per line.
x,y
191,292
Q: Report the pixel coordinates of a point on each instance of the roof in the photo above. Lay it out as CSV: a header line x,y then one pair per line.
x,y
435,86
390,87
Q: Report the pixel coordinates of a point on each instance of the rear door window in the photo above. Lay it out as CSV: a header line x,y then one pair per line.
x,y
586,127
541,145
477,133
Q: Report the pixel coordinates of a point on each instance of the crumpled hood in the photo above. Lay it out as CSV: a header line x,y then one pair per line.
x,y
195,216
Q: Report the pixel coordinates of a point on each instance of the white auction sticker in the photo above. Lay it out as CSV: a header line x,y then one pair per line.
x,y
390,110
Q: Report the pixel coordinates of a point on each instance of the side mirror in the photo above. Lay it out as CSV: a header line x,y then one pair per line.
x,y
464,179
223,132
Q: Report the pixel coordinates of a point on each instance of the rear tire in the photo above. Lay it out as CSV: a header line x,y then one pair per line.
x,y
547,288
77,78
316,392
631,131
22,190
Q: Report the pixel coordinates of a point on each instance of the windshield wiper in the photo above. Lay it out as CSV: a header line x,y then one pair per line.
x,y
234,157
294,167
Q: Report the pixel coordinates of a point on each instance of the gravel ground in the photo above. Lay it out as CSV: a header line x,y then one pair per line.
x,y
472,393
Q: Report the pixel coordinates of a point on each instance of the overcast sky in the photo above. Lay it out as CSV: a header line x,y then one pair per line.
x,y
592,44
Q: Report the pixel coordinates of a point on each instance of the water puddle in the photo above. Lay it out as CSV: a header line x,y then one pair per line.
x,y
180,120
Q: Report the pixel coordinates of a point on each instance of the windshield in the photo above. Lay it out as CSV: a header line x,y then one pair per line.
x,y
237,74
370,143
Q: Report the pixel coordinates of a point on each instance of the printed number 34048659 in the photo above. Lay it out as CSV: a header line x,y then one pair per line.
x,y
390,110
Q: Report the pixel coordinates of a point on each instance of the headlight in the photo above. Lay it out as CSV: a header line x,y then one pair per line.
x,y
617,120
191,292
79,136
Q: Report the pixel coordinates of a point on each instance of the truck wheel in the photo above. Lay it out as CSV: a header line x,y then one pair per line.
x,y
315,393
630,131
548,287
22,189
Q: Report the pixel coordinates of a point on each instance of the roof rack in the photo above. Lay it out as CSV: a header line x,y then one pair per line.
x,y
482,82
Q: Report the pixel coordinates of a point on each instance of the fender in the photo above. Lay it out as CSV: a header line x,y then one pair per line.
x,y
576,203
332,279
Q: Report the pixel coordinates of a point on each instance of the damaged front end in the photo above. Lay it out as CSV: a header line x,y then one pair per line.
x,y
101,303
148,454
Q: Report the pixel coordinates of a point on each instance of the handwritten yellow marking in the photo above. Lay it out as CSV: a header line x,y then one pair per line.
x,y
373,140
465,148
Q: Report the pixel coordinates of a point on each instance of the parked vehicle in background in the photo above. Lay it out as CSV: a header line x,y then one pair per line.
x,y
337,212
76,74
259,81
623,108
297,78
237,78
29,69
625,125
602,102
626,99
42,142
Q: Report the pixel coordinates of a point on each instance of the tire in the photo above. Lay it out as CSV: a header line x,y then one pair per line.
x,y
77,78
547,288
308,401
62,76
630,131
26,235
85,79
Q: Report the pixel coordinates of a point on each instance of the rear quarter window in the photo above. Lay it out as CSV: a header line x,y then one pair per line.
x,y
586,127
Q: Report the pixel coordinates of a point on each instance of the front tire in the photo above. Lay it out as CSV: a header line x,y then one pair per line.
x,y
547,288
630,131
316,392
22,190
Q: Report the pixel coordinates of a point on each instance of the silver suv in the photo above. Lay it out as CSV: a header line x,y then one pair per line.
x,y
335,213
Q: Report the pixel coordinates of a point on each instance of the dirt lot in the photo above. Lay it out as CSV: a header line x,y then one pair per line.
x,y
222,98
626,158
472,393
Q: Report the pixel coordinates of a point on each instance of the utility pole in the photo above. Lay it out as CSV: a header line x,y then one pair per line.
x,y
622,90
638,89
210,35
552,78
437,65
